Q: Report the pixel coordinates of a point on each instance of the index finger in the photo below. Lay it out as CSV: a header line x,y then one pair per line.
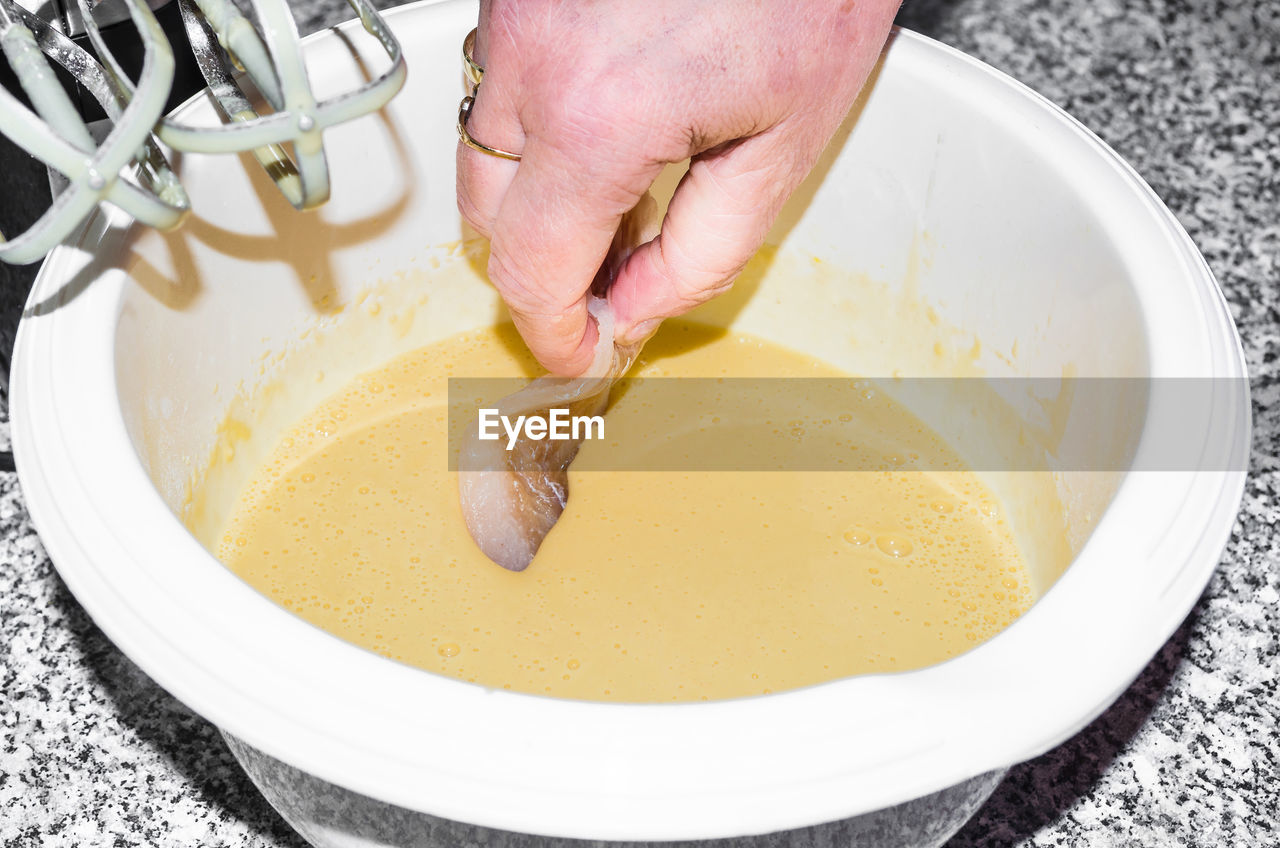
x,y
552,231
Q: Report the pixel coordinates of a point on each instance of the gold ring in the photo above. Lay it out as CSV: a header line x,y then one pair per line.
x,y
474,74
464,112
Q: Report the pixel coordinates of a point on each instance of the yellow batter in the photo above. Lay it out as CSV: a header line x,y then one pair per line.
x,y
654,586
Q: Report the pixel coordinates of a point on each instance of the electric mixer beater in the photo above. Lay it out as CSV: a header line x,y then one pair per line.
x,y
84,92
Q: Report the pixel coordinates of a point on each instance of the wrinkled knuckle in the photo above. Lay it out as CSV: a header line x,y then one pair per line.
x,y
696,288
592,108
472,214
514,285
695,280
523,292
579,123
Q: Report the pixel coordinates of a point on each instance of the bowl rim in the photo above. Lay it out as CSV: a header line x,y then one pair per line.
x,y
604,770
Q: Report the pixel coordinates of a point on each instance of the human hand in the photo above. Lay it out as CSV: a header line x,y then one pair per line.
x,y
598,97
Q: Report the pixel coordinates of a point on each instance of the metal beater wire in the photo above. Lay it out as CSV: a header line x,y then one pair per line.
x,y
270,55
281,75
56,135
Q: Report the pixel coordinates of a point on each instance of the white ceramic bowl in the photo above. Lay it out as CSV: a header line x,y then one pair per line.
x,y
999,210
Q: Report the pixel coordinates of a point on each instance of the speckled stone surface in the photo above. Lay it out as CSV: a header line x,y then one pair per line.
x,y
93,753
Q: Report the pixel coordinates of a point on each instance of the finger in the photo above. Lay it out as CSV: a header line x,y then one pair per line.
x,y
483,179
551,234
718,218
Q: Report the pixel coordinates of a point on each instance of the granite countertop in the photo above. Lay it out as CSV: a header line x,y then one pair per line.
x,y
92,752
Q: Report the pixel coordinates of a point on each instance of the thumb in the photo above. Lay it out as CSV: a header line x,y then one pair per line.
x,y
718,218
552,232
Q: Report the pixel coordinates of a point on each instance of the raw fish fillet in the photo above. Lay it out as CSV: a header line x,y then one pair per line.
x,y
512,498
